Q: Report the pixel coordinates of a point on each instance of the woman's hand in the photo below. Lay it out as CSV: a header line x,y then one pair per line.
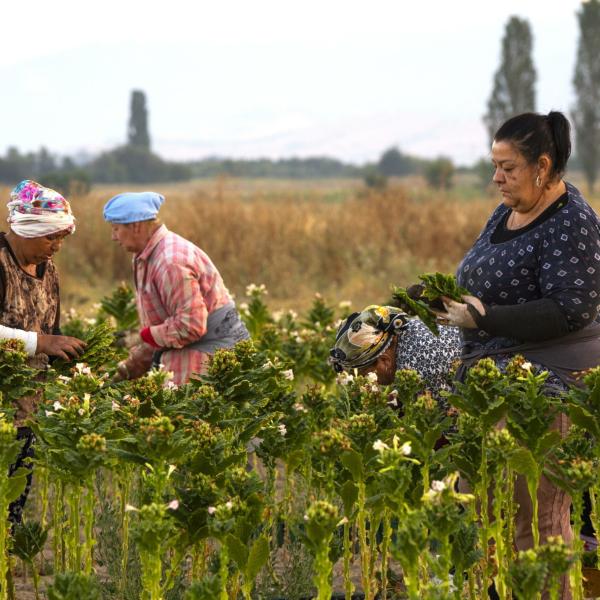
x,y
457,313
63,346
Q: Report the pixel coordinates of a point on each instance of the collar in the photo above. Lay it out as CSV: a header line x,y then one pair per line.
x,y
156,238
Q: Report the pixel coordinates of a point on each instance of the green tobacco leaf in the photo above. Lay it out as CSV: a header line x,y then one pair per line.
x,y
257,559
584,419
548,441
417,308
16,485
28,540
353,461
522,462
237,551
349,494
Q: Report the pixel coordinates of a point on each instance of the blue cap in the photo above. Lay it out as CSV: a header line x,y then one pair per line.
x,y
130,207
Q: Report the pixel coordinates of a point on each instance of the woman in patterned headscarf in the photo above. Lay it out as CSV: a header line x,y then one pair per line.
x,y
39,219
382,340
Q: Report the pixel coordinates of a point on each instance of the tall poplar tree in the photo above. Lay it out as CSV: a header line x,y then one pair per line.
x,y
514,81
586,112
137,131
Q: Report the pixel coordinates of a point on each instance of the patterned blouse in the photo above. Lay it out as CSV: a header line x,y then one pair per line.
x,y
432,357
559,258
177,286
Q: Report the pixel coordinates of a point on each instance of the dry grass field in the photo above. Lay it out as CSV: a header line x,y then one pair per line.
x,y
297,237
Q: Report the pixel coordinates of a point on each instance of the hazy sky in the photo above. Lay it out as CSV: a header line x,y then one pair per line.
x,y
249,78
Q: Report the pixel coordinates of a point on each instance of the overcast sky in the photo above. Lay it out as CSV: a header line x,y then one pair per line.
x,y
249,78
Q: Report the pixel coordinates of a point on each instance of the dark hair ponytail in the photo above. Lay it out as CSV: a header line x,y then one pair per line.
x,y
534,134
561,133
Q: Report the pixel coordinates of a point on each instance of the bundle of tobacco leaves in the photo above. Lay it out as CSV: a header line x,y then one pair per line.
x,y
422,299
100,352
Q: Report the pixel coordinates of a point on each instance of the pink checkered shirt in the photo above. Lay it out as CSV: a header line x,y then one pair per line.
x,y
177,287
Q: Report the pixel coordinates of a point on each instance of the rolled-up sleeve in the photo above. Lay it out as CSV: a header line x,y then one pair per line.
x,y
179,291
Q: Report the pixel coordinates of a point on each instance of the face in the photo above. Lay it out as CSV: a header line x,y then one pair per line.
x,y
384,367
514,177
40,249
127,236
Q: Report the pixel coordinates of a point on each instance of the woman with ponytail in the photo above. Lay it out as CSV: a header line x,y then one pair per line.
x,y
534,278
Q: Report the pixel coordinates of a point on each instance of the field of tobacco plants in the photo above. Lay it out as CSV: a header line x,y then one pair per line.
x,y
269,475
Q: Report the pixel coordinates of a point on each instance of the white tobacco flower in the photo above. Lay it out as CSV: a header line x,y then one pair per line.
x,y
298,339
211,510
172,468
268,365
344,305
173,505
171,386
345,378
393,402
81,412
306,517
277,316
380,446
244,306
372,377
289,374
229,504
342,521
298,407
293,314
406,449
49,413
114,405
83,369
130,508
374,388
64,378
90,321
526,366
282,429
438,486
58,406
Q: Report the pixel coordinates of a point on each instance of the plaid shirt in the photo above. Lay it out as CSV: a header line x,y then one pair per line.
x,y
177,287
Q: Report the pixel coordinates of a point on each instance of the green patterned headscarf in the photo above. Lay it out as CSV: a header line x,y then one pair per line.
x,y
363,336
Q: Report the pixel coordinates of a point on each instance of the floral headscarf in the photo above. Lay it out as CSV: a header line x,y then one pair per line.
x,y
35,211
363,336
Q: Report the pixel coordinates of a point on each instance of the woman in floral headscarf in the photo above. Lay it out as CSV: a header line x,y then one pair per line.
x,y
39,219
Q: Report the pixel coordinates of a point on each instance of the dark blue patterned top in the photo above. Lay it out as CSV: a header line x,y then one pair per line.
x,y
557,259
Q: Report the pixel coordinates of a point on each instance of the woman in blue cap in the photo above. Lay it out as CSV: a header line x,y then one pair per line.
x,y
186,312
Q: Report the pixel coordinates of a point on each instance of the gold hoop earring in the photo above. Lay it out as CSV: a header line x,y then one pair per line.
x,y
538,181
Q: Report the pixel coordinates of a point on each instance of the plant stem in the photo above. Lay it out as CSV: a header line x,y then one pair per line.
x,y
223,571
124,484
348,585
74,547
362,539
385,544
3,533
323,568
88,513
576,577
499,510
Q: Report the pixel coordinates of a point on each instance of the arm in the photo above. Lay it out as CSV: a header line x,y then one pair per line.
x,y
29,338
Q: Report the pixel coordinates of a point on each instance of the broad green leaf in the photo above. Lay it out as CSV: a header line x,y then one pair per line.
x,y
349,494
237,551
259,554
522,462
353,461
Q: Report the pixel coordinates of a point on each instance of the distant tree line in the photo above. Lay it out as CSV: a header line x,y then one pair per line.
x,y
513,92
